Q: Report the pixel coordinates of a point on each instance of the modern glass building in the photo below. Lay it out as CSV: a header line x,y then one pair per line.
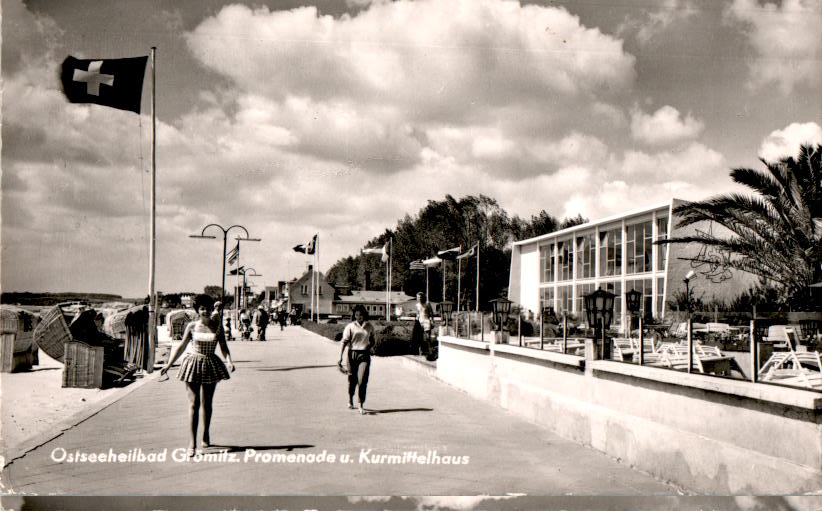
x,y
618,254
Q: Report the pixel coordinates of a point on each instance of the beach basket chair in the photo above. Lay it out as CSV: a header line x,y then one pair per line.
x,y
52,333
115,325
177,321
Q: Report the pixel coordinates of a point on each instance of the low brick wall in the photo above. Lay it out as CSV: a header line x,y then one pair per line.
x,y
707,434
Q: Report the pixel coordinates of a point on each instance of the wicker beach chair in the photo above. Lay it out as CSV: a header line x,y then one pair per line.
x,y
52,333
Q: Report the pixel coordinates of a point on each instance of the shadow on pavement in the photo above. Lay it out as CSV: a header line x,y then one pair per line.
x,y
290,368
396,410
258,448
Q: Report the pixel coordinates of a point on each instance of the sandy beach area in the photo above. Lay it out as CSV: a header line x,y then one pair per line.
x,y
33,403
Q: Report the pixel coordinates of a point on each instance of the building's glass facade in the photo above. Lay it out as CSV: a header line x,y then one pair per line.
x,y
617,256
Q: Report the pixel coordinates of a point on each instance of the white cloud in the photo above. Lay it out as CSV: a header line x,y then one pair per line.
x,y
785,142
665,126
455,502
785,36
653,23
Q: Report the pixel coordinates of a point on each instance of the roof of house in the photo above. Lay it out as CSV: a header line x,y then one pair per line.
x,y
358,296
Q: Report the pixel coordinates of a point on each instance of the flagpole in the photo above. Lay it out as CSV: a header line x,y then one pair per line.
x,y
390,267
459,274
477,297
317,266
426,282
152,300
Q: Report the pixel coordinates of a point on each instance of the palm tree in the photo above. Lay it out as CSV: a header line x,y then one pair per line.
x,y
776,233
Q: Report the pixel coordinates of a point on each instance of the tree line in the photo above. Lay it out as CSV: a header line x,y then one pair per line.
x,y
442,225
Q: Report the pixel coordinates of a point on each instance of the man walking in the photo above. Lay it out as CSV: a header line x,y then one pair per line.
x,y
261,321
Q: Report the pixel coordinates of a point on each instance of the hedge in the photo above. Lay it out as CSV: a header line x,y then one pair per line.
x,y
392,337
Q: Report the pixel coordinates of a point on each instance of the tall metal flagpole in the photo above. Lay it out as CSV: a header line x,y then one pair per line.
x,y
426,282
152,299
390,267
312,282
317,269
459,274
477,297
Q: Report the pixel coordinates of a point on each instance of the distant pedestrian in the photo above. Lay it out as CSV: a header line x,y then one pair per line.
x,y
425,316
282,317
201,369
245,324
292,316
261,322
359,337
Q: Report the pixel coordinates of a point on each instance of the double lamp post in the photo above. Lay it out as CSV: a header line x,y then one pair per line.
x,y
225,231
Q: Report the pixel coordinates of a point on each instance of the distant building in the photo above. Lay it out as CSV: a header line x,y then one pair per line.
x,y
618,254
299,294
374,303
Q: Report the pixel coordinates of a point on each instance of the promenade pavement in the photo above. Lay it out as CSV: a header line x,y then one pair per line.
x,y
288,398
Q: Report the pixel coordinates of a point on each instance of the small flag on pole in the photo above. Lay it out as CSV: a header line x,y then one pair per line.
x,y
470,253
416,265
117,83
234,254
383,251
307,248
237,271
432,261
449,254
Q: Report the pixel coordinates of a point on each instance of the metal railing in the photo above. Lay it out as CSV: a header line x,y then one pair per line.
x,y
772,348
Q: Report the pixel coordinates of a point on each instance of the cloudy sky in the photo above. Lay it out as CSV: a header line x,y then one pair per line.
x,y
343,116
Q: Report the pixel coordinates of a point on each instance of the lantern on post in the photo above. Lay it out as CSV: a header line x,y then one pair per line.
x,y
599,310
632,300
446,307
502,307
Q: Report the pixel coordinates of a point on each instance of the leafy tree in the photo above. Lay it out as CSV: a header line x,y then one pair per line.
x,y
213,291
442,225
776,233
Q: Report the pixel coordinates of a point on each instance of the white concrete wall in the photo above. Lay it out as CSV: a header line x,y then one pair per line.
x,y
529,277
708,434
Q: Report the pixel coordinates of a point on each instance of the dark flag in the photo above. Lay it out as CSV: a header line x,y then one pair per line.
x,y
307,248
237,271
234,254
117,83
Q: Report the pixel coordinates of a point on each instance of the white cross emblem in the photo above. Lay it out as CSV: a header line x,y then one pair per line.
x,y
93,77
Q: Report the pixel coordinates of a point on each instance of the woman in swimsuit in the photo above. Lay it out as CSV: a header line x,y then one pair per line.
x,y
200,368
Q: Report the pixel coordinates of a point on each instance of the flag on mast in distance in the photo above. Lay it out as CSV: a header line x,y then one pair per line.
x,y
307,248
470,253
117,83
234,254
237,271
449,254
432,261
416,265
383,251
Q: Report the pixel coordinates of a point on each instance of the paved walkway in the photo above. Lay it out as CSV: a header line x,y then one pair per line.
x,y
288,398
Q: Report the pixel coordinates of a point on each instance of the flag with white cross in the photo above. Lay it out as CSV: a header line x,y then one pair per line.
x,y
117,83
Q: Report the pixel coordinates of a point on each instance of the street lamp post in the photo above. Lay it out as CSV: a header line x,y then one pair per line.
x,y
446,307
502,307
225,230
245,271
632,299
687,281
599,308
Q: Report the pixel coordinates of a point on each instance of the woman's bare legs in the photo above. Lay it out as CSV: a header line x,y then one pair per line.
x,y
193,391
207,398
